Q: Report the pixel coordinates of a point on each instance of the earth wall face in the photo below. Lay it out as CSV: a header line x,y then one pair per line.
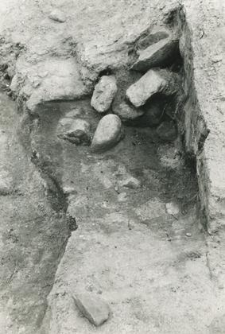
x,y
203,46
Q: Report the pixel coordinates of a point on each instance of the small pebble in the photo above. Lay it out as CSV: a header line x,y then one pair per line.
x,y
122,197
131,182
172,208
188,235
57,15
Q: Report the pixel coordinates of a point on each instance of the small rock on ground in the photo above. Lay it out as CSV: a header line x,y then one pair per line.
x,y
108,133
57,15
74,113
157,55
5,187
93,308
76,131
127,112
122,197
167,131
172,208
131,183
152,209
104,93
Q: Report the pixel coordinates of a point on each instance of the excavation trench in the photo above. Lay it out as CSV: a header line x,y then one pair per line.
x,y
72,186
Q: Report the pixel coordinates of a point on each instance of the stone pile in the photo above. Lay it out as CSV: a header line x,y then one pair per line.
x,y
143,103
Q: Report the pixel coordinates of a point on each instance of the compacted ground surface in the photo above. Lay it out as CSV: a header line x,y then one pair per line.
x,y
149,263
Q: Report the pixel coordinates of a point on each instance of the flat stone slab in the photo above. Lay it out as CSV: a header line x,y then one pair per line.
x,y
151,38
49,80
156,55
104,93
95,309
151,83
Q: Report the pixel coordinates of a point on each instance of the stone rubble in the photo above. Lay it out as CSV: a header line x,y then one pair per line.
x,y
108,133
104,93
95,309
156,55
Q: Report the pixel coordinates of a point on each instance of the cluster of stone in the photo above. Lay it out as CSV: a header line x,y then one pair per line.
x,y
143,103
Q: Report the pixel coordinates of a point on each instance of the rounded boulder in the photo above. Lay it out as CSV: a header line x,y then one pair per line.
x,y
108,133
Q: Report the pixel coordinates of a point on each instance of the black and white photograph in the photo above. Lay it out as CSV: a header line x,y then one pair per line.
x,y
112,166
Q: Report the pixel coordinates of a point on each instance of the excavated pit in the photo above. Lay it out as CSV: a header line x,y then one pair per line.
x,y
86,189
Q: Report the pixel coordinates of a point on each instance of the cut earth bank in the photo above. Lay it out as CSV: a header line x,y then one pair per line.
x,y
154,67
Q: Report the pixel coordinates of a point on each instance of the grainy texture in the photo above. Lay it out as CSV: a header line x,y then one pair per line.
x,y
157,271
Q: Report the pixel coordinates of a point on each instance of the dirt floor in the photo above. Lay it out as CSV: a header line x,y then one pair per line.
x,y
152,267
143,247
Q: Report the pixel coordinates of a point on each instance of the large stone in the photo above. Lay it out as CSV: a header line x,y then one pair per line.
x,y
127,112
151,83
104,93
157,55
93,308
48,80
77,131
167,131
57,15
108,133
